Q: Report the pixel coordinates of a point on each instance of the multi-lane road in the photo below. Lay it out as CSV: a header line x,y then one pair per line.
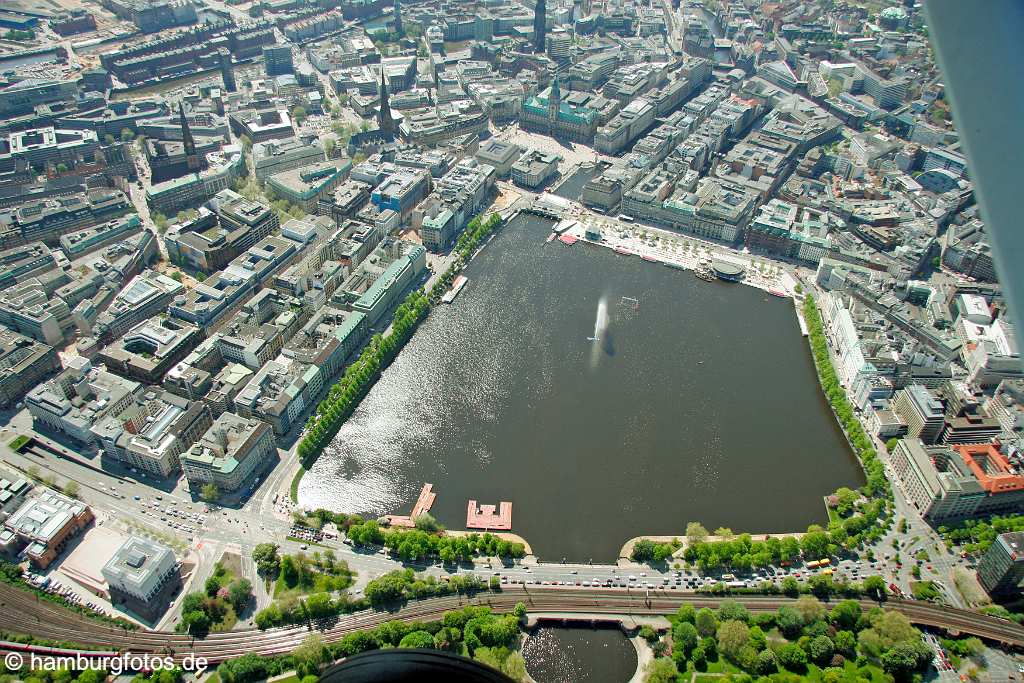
x,y
22,613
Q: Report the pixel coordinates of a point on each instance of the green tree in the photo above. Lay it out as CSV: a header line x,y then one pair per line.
x,y
685,638
196,623
239,594
793,657
329,146
890,445
789,621
299,114
267,561
426,522
767,663
209,493
732,637
706,622
809,608
311,654
874,586
417,639
661,670
730,610
695,532
71,489
269,617
821,649
177,276
127,135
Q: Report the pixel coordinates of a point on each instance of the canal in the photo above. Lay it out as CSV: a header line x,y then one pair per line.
x,y
699,404
579,655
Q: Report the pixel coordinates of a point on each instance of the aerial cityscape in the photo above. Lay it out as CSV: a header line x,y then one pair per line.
x,y
610,340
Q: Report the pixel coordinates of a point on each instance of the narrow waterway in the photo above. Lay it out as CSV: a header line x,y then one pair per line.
x,y
579,655
697,402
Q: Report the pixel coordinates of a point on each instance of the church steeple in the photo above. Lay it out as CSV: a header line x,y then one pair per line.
x,y
539,26
191,158
554,100
384,120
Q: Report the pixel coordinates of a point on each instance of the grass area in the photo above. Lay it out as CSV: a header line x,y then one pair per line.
x,y
18,442
303,574
923,556
868,672
723,667
833,515
704,678
321,583
295,483
213,678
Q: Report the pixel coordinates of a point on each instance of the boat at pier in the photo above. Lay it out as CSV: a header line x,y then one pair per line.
x,y
550,237
645,257
457,286
623,251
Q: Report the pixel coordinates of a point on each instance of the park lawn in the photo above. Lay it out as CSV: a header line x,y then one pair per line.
x,y
322,583
869,672
702,678
721,666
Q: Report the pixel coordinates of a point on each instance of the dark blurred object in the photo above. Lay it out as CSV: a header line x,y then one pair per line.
x,y
978,48
413,664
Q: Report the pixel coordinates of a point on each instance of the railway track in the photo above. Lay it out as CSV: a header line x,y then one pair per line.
x,y
21,612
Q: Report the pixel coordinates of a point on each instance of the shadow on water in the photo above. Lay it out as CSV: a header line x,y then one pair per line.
x,y
608,343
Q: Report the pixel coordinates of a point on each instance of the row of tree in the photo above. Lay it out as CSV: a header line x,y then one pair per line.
x,y
877,485
344,396
416,544
809,634
389,589
472,631
977,535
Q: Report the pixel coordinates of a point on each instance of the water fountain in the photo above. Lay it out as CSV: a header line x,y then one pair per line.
x,y
601,321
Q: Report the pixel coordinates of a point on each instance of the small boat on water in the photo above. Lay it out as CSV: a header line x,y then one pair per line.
x,y
645,257
457,286
775,292
550,237
567,240
623,251
677,266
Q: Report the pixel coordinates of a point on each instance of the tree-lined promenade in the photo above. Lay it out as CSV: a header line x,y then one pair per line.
x,y
345,395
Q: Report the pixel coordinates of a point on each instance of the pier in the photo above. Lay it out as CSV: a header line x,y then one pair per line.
x,y
423,504
485,517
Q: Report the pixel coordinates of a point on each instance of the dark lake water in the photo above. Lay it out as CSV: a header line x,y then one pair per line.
x,y
700,405
579,655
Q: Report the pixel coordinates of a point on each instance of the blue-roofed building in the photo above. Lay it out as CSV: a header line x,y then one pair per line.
x,y
402,190
573,117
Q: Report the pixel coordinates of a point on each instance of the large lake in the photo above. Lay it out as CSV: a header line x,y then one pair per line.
x,y
702,404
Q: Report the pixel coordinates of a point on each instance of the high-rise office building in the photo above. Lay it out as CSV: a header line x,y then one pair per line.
x,y
539,26
227,74
1001,568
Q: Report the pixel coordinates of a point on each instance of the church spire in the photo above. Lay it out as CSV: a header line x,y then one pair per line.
x,y
188,142
539,25
384,120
